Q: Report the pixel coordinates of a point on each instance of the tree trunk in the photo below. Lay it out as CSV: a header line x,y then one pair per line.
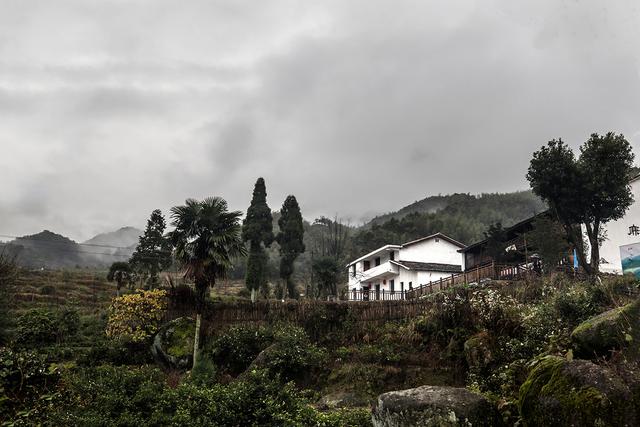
x,y
253,295
592,234
196,339
579,246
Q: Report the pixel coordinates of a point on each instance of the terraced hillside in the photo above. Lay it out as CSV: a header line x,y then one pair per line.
x,y
87,291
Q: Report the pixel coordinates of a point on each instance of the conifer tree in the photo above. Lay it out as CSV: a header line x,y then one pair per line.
x,y
153,253
290,240
257,230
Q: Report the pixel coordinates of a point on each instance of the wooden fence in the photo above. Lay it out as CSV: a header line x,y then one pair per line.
x,y
220,314
481,273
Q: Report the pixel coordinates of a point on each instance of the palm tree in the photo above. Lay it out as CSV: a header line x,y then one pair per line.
x,y
206,239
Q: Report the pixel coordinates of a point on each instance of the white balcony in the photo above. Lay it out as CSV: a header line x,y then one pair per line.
x,y
381,271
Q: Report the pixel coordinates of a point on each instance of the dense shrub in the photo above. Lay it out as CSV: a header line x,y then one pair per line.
x,y
36,327
293,356
235,349
107,396
574,305
110,396
25,379
115,353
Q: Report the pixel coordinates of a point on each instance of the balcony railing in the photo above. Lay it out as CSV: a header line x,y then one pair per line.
x,y
374,272
374,295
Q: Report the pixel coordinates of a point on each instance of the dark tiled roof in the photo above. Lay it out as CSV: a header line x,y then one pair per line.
x,y
431,266
440,235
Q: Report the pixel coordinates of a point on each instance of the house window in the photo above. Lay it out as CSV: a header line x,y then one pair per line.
x,y
437,240
392,285
401,286
392,256
410,286
377,261
353,270
366,265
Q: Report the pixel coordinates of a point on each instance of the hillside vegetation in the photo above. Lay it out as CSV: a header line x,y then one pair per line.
x,y
62,369
463,217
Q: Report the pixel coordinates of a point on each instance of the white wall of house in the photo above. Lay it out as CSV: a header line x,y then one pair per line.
x,y
618,233
432,250
389,276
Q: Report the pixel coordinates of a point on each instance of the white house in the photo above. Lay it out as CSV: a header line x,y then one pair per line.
x,y
622,243
390,271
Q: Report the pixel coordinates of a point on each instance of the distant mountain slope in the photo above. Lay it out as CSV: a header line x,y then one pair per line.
x,y
124,237
464,217
53,251
46,250
518,205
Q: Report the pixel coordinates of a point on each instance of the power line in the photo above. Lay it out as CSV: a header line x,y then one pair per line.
x,y
62,243
70,243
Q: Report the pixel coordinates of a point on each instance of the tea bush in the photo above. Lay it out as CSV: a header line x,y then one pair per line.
x,y
25,379
110,396
234,350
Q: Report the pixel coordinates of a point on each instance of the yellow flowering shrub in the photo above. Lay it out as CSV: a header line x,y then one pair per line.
x,y
136,317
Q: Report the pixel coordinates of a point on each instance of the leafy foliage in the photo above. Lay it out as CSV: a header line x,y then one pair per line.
x,y
235,349
591,190
290,239
139,396
136,317
39,326
206,238
153,253
121,273
26,380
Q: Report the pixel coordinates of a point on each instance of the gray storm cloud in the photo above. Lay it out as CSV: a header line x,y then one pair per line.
x,y
110,109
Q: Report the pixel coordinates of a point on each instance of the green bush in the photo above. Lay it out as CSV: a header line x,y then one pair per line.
x,y
204,372
293,356
111,396
67,324
235,349
25,379
574,305
39,327
36,327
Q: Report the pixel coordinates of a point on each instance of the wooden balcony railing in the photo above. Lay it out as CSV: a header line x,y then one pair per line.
x,y
491,271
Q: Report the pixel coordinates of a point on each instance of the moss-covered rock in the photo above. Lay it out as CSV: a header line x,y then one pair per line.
x,y
477,350
559,392
612,330
434,406
173,344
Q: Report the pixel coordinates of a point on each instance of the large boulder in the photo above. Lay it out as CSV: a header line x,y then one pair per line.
x,y
617,329
173,344
559,392
434,406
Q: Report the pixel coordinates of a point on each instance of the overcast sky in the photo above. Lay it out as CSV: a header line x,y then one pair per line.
x,y
110,109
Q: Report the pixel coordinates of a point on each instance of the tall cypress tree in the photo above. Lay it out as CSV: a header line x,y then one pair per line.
x,y
290,240
153,253
257,229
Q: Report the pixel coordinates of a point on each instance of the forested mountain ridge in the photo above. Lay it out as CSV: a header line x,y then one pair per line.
x,y
464,217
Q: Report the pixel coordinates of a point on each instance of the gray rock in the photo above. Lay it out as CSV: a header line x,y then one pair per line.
x,y
477,350
559,392
617,329
173,344
434,406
